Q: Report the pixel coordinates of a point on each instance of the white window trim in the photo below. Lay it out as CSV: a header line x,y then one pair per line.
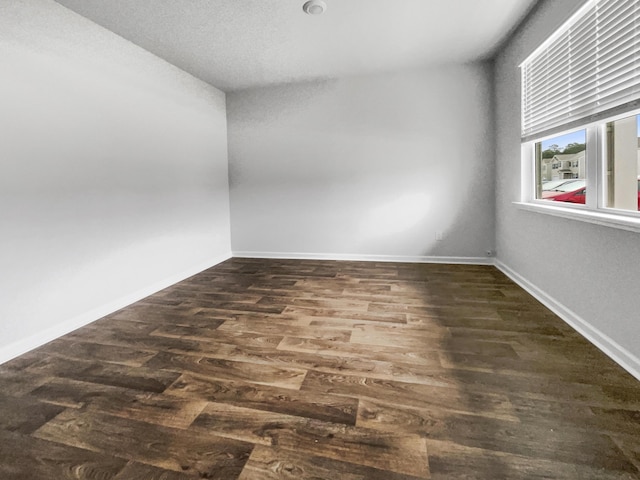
x,y
575,212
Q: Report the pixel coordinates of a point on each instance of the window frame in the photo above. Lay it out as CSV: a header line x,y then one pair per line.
x,y
594,210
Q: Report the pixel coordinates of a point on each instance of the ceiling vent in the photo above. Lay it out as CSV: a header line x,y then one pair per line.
x,y
314,7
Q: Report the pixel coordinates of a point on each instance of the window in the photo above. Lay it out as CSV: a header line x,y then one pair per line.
x,y
580,110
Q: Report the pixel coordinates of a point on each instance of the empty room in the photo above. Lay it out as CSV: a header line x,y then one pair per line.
x,y
319,239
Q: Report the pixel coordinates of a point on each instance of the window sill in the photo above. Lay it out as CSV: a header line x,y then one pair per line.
x,y
622,222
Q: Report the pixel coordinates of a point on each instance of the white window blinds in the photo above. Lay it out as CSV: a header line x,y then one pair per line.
x,y
589,69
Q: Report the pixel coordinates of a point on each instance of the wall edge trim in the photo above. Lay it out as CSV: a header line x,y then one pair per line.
x,y
27,344
366,258
603,342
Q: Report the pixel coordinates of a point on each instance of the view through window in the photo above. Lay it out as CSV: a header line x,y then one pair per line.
x,y
561,168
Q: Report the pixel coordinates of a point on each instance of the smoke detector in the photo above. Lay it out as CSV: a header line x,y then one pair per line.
x,y
314,7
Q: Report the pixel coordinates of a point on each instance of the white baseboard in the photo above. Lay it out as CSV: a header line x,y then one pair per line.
x,y
367,258
616,352
20,347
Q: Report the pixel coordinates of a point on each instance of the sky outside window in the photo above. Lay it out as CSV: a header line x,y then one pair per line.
x,y
563,140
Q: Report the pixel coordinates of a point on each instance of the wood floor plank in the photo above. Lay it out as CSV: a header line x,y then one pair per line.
x,y
335,301
138,378
196,334
426,371
229,370
383,316
122,402
548,442
437,311
242,307
19,383
521,386
540,372
423,357
140,471
28,458
270,327
621,420
399,453
432,422
198,452
451,460
328,408
97,352
387,338
18,364
191,316
142,341
268,463
454,399
338,322
629,444
25,414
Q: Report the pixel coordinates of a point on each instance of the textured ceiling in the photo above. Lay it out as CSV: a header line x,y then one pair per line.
x,y
236,44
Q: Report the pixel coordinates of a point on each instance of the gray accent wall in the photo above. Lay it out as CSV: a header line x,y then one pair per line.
x,y
372,165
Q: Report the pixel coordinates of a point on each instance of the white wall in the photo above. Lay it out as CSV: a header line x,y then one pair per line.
x,y
587,272
365,166
113,177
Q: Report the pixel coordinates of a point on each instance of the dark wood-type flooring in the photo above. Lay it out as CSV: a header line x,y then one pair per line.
x,y
283,369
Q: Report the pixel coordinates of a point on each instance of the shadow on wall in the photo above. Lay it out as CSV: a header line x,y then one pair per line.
x,y
371,165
